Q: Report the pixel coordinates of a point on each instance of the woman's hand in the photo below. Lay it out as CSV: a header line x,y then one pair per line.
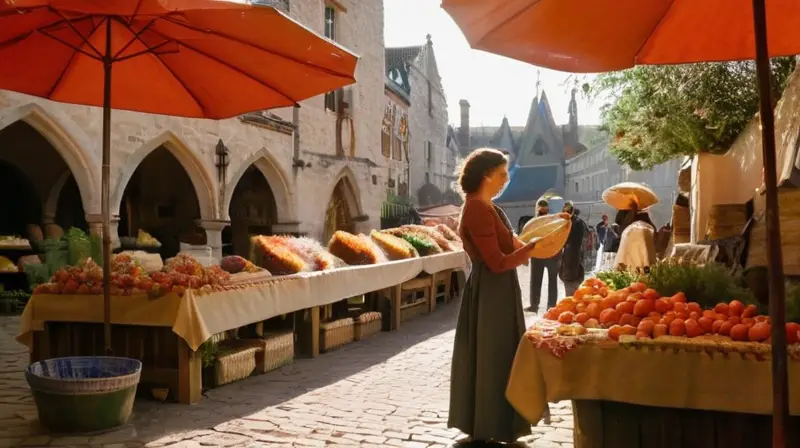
x,y
528,248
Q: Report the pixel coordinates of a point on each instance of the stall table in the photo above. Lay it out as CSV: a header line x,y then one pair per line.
x,y
166,332
652,397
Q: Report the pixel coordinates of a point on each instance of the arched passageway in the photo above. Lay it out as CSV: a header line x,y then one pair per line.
x,y
252,211
160,199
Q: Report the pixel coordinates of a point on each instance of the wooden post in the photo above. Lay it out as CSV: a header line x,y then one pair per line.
x,y
434,293
308,333
397,298
190,374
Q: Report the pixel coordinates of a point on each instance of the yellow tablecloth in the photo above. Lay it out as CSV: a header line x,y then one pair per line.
x,y
606,371
195,318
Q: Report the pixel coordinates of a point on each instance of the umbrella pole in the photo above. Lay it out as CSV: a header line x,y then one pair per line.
x,y
106,175
777,295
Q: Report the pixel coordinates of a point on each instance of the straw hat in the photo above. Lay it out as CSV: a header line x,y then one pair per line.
x,y
550,233
621,195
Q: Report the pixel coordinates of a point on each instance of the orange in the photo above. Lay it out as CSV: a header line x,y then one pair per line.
x,y
626,319
679,307
609,317
637,287
693,329
694,315
552,314
715,326
759,332
725,328
707,324
615,332
644,307
641,335
750,311
580,308
654,316
722,308
581,318
628,330
567,304
739,332
663,305
583,291
593,310
660,330
635,297
679,297
748,321
792,337
735,320
646,326
694,307
710,314
736,308
566,317
677,327
651,294
592,323
721,316
625,307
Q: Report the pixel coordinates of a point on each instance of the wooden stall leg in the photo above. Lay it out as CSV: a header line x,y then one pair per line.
x,y
308,333
40,347
448,279
397,299
434,293
190,374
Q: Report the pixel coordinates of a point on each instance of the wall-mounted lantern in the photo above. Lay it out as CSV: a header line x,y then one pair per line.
x,y
222,161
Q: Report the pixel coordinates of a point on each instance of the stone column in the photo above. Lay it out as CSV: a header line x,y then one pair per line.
x,y
95,223
214,230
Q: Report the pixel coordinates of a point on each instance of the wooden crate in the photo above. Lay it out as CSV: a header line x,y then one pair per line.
x,y
167,361
606,424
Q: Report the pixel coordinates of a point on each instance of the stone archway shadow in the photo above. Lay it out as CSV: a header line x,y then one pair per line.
x,y
194,167
74,146
351,191
277,180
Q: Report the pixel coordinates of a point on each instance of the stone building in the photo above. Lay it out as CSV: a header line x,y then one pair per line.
x,y
592,172
414,87
306,170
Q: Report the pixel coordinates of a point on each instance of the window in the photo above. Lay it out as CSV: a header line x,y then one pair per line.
x,y
427,178
331,98
397,148
330,22
386,144
430,99
428,153
576,188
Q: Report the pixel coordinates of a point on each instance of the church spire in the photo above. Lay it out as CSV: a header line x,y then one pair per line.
x,y
538,82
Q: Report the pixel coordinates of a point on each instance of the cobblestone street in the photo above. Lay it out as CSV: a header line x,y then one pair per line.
x,y
389,390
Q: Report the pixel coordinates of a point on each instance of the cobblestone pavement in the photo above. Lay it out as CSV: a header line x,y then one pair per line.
x,y
389,390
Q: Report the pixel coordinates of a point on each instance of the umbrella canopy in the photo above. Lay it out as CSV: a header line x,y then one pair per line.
x,y
606,35
589,36
190,58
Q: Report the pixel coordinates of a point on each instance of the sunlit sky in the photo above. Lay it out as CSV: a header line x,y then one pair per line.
x,y
494,86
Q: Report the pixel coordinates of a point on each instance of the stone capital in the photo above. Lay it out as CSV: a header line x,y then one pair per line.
x,y
213,224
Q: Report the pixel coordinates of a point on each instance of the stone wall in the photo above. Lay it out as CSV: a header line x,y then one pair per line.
x,y
75,132
426,125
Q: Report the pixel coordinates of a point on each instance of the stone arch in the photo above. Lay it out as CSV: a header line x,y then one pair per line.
x,y
278,182
51,203
352,195
201,179
69,140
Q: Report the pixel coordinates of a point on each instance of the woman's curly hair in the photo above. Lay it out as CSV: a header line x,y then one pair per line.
x,y
476,167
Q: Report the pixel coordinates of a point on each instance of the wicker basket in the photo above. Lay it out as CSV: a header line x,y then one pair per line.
x,y
335,334
413,310
234,364
274,351
726,220
367,325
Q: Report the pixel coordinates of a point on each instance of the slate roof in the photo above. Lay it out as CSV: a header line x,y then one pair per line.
x,y
529,183
399,55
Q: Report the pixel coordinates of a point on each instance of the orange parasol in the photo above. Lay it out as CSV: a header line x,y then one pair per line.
x,y
605,35
192,58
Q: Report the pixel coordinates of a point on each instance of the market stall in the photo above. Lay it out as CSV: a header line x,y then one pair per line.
x,y
645,370
158,315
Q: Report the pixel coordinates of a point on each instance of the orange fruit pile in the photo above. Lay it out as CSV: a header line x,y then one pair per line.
x,y
641,311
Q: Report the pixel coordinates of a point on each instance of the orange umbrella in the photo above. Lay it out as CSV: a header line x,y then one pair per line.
x,y
606,35
192,58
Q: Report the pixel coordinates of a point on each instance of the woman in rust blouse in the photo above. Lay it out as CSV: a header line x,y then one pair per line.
x,y
490,321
